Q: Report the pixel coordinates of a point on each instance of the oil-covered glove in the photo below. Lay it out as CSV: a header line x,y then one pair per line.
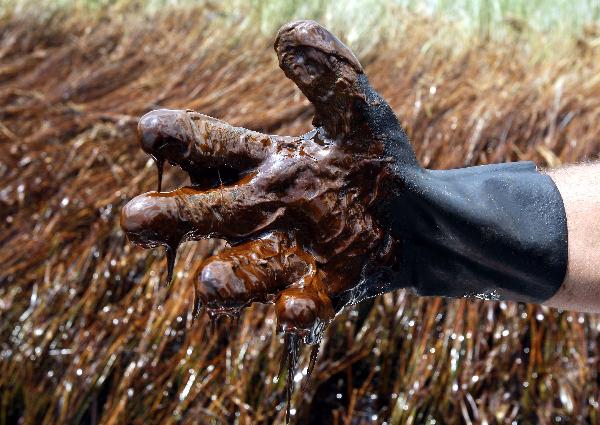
x,y
344,212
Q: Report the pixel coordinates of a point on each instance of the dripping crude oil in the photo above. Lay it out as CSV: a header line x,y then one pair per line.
x,y
72,285
295,209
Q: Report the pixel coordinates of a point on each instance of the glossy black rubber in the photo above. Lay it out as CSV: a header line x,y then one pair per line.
x,y
492,231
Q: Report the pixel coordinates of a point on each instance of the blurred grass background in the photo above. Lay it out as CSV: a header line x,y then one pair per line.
x,y
550,20
89,335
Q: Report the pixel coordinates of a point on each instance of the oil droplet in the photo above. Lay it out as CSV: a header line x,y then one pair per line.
x,y
214,320
159,166
314,352
171,254
289,357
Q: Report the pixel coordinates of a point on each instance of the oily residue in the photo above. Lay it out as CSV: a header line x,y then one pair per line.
x,y
88,333
159,167
170,253
290,359
295,208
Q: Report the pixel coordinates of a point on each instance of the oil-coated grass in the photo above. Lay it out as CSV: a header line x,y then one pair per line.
x,y
88,333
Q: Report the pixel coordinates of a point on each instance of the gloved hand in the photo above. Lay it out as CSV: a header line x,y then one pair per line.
x,y
344,212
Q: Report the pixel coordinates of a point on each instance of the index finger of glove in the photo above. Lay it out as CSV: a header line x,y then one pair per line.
x,y
198,142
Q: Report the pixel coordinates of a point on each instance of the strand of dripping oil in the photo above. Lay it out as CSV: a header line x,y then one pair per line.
x,y
290,352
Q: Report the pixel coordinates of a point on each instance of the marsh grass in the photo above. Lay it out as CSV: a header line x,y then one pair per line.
x,y
88,333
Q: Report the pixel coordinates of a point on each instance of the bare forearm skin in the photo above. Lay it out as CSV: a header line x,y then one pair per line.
x,y
579,186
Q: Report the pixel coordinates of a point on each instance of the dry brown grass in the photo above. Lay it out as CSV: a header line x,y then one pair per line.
x,y
87,332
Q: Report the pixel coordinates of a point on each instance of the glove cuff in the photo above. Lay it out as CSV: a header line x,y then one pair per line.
x,y
493,231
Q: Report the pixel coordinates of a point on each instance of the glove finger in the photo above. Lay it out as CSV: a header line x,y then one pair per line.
x,y
167,218
211,151
304,310
254,271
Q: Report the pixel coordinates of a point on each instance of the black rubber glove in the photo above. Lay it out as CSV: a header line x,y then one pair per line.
x,y
493,231
345,211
